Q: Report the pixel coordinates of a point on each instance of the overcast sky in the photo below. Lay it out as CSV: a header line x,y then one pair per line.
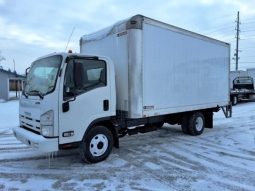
x,y
32,28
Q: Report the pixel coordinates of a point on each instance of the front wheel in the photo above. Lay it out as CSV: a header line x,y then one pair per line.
x,y
96,144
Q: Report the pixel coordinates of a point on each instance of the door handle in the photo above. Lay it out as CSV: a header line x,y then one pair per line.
x,y
106,105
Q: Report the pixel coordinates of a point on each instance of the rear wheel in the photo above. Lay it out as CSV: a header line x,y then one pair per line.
x,y
158,125
96,144
234,100
196,123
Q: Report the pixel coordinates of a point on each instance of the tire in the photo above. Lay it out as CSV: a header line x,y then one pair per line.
x,y
196,123
96,144
185,124
158,125
234,100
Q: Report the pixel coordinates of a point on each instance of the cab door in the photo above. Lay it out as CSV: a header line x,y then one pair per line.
x,y
85,97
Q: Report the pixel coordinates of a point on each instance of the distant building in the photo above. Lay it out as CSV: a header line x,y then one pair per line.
x,y
10,82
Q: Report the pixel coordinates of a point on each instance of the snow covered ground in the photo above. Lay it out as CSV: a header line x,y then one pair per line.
x,y
223,158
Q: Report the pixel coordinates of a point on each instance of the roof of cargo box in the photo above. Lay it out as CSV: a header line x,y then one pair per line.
x,y
136,22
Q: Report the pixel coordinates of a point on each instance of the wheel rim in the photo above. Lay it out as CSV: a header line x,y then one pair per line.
x,y
199,123
98,145
235,100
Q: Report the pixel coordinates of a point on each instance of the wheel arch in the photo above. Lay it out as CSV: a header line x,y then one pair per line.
x,y
107,122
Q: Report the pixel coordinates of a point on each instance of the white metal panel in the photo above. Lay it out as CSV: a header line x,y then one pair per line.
x,y
163,69
33,107
180,71
115,47
36,141
135,73
86,108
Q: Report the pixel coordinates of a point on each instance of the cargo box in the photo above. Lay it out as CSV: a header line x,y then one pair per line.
x,y
162,69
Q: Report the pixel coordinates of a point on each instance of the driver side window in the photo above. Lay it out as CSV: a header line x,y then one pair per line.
x,y
83,75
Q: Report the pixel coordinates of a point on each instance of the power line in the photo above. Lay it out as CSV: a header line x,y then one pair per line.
x,y
223,16
252,19
218,29
245,23
247,31
248,56
250,38
249,47
249,28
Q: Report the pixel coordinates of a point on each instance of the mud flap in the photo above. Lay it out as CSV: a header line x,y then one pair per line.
x,y
208,119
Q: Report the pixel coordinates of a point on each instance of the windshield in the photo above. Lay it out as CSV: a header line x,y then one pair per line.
x,y
42,76
239,80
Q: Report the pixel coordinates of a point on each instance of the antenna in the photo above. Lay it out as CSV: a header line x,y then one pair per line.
x,y
69,38
14,64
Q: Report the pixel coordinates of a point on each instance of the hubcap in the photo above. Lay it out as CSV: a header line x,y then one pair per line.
x,y
235,100
98,145
199,123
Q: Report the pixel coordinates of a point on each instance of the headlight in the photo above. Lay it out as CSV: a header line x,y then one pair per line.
x,y
47,118
47,131
47,121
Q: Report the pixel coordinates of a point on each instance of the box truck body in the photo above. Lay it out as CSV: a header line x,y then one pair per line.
x,y
162,69
129,78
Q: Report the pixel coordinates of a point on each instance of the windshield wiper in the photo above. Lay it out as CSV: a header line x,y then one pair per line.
x,y
37,93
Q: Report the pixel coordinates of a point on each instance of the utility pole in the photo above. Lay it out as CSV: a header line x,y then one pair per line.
x,y
237,40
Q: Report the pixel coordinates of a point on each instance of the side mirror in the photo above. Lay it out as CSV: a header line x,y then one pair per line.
x,y
68,94
65,107
27,70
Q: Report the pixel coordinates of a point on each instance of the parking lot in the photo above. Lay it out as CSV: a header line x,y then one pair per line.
x,y
222,158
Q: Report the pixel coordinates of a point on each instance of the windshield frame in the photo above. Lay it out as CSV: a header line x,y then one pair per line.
x,y
27,93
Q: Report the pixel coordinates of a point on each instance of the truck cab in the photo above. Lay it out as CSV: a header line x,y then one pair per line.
x,y
71,91
243,88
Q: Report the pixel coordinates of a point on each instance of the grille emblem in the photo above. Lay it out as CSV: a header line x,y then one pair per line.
x,y
28,113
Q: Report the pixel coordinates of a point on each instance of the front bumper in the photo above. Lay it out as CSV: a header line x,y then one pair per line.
x,y
36,141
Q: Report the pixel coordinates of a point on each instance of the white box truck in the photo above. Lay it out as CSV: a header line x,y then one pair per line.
x,y
129,78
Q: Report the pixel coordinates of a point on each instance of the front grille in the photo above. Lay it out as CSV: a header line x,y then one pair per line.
x,y
29,129
29,118
30,123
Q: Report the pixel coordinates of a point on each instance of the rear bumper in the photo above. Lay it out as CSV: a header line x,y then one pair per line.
x,y
39,142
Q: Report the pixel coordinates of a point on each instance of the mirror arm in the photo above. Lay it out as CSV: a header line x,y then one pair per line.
x,y
65,105
27,70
